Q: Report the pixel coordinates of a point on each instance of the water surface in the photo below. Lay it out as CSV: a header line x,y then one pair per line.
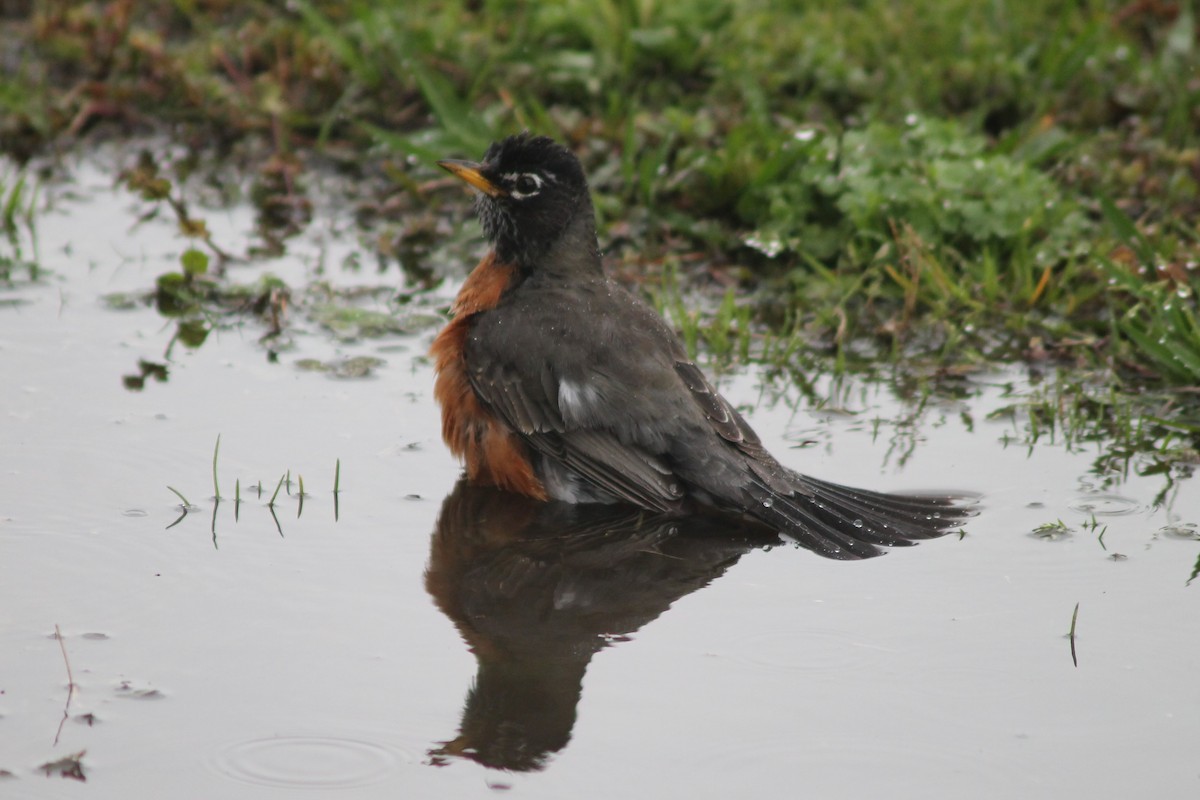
x,y
426,631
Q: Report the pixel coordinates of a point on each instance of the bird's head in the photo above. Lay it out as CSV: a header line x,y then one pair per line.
x,y
530,192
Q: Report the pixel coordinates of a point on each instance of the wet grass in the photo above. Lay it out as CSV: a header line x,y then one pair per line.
x,y
216,483
284,484
179,494
934,184
337,490
18,247
1071,635
275,494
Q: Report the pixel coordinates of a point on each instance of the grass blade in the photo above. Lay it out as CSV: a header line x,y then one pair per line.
x,y
216,451
1074,618
337,481
278,486
1127,231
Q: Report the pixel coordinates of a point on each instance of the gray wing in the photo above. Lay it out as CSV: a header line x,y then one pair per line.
x,y
616,401
595,453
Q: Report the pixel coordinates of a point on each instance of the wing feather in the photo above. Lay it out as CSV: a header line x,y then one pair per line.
x,y
598,455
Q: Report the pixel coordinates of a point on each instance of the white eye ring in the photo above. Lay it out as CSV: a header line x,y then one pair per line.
x,y
515,179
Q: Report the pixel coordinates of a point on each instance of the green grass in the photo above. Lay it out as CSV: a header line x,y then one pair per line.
x,y
278,486
1071,635
18,246
216,483
877,181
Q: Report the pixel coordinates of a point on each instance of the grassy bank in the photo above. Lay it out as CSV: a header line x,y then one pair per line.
x,y
941,179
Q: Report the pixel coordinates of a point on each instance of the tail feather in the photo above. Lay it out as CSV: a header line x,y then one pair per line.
x,y
841,522
912,516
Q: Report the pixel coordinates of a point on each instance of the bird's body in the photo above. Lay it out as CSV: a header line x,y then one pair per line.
x,y
557,383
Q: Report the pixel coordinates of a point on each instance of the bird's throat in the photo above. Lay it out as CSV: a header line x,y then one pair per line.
x,y
484,287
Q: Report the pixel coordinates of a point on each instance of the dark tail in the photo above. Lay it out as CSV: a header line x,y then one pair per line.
x,y
840,522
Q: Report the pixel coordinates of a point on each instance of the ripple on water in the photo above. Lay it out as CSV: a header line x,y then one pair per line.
x,y
1181,530
1105,505
308,762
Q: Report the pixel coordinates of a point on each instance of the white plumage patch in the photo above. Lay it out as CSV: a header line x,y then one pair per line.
x,y
576,401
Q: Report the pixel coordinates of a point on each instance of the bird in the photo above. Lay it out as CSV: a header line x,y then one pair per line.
x,y
558,383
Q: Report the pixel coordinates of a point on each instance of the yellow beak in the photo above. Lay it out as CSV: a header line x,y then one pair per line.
x,y
469,171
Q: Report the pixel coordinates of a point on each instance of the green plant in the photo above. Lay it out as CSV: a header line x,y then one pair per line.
x,y
17,204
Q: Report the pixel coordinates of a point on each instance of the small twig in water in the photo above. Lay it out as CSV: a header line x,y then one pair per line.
x,y
70,683
180,496
300,510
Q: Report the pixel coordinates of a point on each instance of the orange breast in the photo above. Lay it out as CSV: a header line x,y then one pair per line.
x,y
492,452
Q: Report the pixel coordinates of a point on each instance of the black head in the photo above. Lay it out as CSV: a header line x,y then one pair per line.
x,y
530,191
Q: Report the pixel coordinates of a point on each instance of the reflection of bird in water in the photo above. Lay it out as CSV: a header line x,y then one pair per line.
x,y
536,589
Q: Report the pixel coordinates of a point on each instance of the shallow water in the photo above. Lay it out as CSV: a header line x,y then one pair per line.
x,y
239,653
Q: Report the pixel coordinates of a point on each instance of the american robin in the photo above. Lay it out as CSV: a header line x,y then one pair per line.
x,y
557,383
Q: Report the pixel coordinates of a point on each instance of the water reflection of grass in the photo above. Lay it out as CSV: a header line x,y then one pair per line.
x,y
1148,434
1130,433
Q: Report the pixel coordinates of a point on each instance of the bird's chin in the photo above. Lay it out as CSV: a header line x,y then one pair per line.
x,y
497,225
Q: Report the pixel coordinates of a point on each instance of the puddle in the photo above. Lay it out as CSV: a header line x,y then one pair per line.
x,y
408,635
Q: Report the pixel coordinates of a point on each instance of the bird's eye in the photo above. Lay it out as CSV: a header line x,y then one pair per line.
x,y
526,185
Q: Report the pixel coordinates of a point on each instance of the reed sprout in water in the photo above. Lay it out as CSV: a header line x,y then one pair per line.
x,y
216,486
1071,635
278,486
